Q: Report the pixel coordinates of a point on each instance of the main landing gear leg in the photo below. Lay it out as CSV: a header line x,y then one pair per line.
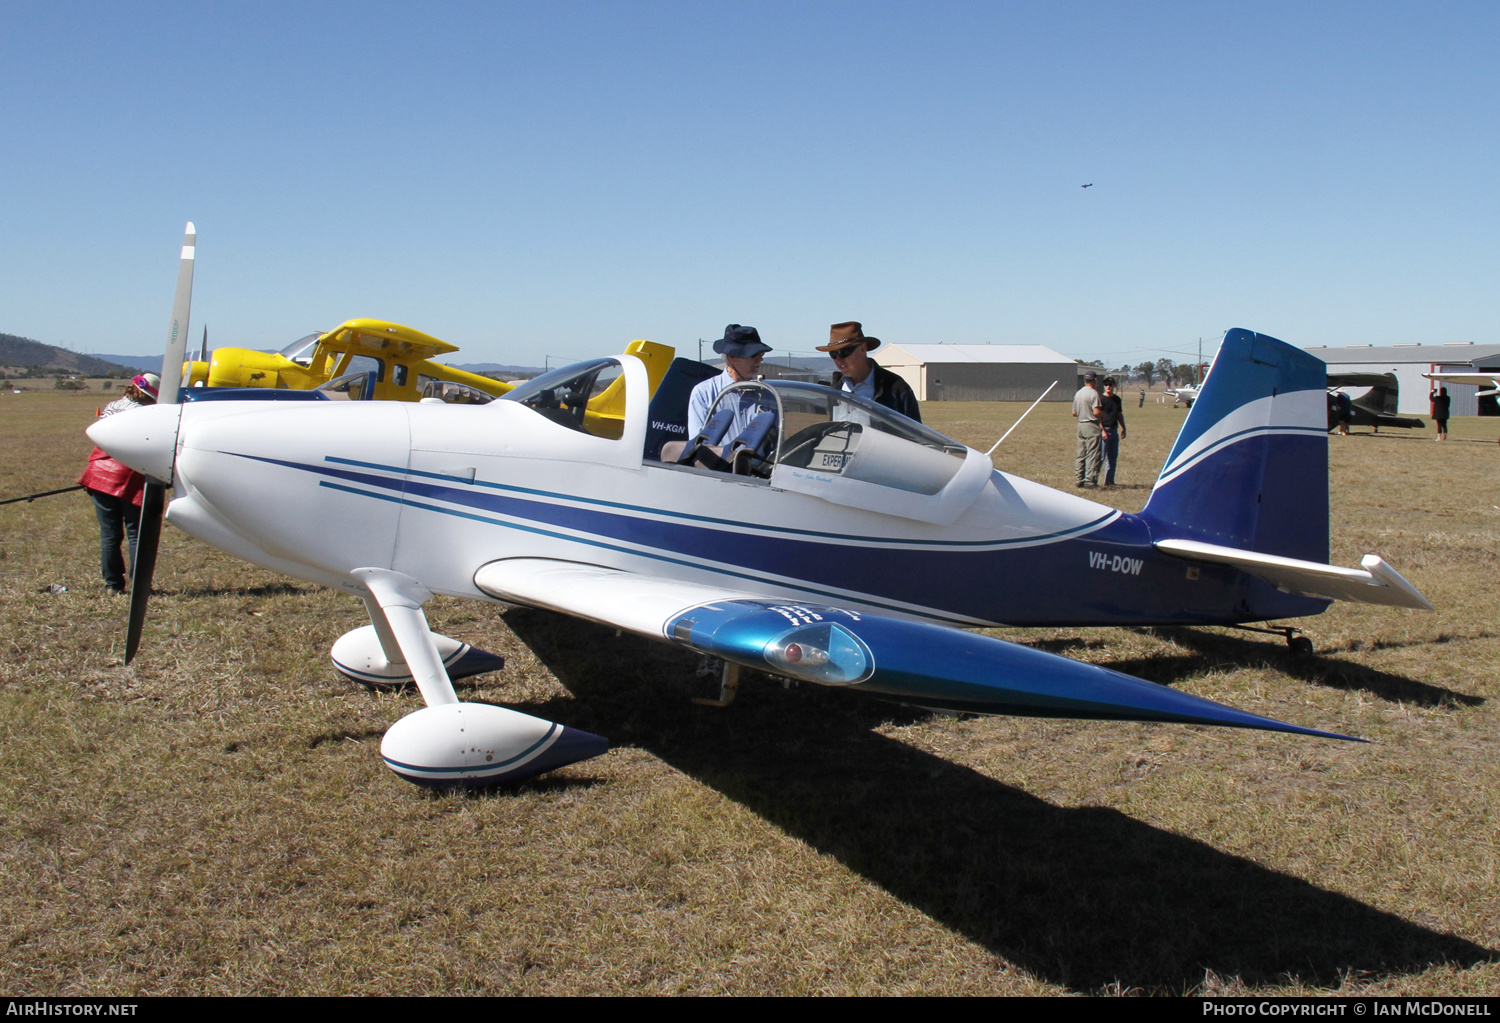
x,y
449,742
729,686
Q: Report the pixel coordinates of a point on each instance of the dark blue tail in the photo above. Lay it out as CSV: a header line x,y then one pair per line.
x,y
1250,467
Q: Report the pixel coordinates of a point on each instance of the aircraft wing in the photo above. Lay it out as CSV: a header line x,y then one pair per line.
x,y
1490,380
916,663
1386,380
1374,583
608,596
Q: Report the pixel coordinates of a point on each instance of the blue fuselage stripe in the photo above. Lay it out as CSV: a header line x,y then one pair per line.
x,y
1067,577
719,569
735,524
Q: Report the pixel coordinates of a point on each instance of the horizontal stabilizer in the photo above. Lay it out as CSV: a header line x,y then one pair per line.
x,y
1375,583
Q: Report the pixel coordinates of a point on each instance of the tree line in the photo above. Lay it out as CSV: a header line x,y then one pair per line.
x,y
1162,370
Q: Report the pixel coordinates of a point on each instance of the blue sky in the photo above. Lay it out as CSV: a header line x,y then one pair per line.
x,y
555,179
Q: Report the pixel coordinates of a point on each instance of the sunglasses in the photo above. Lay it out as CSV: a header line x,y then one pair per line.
x,y
846,351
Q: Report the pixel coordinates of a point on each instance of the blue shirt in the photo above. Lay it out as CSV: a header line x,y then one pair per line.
x,y
702,400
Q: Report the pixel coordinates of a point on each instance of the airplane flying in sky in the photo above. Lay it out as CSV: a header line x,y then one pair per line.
x,y
832,541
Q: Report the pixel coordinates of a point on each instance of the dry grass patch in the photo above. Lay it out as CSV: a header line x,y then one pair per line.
x,y
216,819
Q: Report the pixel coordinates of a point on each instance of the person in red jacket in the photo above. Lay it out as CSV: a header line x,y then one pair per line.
x,y
117,489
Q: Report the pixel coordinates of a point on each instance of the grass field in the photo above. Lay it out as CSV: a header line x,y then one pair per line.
x,y
216,818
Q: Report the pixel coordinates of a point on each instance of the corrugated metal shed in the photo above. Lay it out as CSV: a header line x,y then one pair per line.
x,y
1408,362
981,372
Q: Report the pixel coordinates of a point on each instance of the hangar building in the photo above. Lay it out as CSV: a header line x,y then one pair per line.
x,y
982,372
1409,361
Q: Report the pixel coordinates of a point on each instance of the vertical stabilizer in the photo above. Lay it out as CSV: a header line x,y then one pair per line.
x,y
1250,467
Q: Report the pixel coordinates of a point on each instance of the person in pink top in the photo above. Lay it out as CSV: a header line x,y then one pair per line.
x,y
116,490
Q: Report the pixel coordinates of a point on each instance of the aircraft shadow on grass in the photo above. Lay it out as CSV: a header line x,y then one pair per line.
x,y
1083,897
1216,648
277,589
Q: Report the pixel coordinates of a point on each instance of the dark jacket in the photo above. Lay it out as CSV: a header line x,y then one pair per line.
x,y
890,390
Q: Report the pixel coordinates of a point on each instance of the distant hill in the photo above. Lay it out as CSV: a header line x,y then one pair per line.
x,y
23,352
141,363
500,369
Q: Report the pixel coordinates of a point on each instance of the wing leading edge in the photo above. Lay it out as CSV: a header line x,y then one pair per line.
x,y
1482,380
911,662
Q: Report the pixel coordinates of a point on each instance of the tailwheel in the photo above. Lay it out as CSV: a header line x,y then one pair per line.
x,y
1295,641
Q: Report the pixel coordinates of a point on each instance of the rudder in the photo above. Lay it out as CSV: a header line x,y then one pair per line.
x,y
1250,467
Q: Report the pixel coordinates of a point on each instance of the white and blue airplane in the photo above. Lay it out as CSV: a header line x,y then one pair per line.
x,y
832,542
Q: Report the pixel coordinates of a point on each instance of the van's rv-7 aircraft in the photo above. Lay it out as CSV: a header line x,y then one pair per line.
x,y
833,541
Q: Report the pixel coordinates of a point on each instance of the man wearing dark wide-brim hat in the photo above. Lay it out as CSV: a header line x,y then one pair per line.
x,y
742,349
856,372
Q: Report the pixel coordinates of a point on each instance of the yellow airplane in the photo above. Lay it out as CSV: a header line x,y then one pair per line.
x,y
399,357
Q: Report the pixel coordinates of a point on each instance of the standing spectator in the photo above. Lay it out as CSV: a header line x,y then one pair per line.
x,y
1112,428
1441,405
1086,411
1343,408
117,490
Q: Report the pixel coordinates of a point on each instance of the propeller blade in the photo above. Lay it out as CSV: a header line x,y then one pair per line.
x,y
182,304
148,538
203,352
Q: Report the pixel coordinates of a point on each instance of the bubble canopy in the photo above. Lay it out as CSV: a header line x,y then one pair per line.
x,y
835,433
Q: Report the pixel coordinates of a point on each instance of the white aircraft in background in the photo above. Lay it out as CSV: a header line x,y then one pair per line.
x,y
1185,394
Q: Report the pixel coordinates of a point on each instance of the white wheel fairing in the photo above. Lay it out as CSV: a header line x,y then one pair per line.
x,y
476,744
359,655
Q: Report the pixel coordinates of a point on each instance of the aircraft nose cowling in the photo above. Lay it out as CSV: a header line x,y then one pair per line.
x,y
144,439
